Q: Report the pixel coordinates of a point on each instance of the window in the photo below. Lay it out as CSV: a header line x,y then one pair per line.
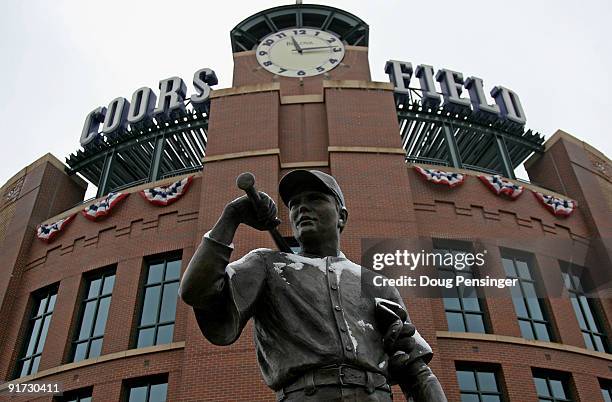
x,y
606,390
552,387
159,303
529,309
79,395
584,308
152,389
463,308
478,385
94,313
38,327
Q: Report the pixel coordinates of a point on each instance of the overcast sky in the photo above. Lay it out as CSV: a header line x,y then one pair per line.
x,y
61,59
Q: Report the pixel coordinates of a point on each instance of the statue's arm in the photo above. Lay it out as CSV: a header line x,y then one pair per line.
x,y
223,295
204,277
408,352
204,280
420,383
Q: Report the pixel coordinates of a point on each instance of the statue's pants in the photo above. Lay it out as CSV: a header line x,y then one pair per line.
x,y
338,393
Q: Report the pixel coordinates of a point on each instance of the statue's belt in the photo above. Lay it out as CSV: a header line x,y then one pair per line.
x,y
336,375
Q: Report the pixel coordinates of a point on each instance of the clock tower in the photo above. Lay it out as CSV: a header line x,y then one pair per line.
x,y
302,97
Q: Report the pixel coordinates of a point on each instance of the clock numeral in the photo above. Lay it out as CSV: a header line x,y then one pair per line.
x,y
267,63
263,53
299,31
331,40
317,33
333,61
337,49
281,35
282,70
320,69
269,42
301,72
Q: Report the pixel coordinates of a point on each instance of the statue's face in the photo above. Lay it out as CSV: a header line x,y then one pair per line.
x,y
314,216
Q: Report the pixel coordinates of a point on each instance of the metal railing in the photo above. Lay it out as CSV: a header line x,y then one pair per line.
x,y
429,161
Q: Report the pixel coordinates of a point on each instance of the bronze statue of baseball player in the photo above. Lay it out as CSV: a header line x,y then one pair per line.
x,y
320,335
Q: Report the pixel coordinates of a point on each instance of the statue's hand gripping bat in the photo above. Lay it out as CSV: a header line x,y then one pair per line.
x,y
246,182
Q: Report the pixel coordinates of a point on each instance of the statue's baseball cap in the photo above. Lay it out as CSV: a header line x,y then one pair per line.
x,y
301,180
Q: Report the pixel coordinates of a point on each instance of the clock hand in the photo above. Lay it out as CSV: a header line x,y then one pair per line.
x,y
296,44
318,47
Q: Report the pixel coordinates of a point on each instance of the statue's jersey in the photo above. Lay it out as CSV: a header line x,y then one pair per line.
x,y
308,312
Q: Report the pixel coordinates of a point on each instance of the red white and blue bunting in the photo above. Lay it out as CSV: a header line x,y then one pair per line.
x,y
49,231
556,206
102,208
499,185
451,179
166,195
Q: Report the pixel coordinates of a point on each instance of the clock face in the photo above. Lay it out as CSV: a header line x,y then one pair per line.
x,y
300,52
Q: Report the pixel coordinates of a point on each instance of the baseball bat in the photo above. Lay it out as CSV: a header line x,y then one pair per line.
x,y
246,182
